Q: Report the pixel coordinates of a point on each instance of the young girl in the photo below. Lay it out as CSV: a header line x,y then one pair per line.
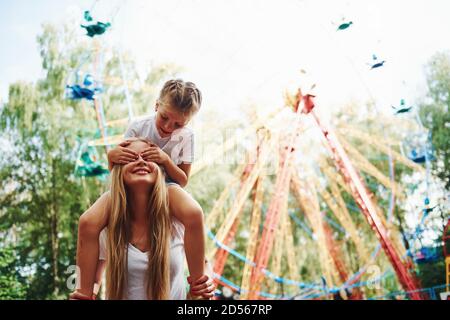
x,y
142,246
173,150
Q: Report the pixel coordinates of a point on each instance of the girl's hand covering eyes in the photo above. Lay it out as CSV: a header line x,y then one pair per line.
x,y
121,154
155,154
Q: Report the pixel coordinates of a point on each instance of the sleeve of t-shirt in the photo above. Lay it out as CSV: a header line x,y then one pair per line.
x,y
132,130
102,245
187,151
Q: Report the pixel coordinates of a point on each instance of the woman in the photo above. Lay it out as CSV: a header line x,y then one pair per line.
x,y
142,247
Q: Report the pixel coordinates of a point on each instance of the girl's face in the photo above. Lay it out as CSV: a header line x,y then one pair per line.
x,y
168,119
139,172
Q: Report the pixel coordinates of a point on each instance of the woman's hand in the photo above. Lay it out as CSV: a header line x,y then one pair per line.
x,y
76,295
202,288
155,154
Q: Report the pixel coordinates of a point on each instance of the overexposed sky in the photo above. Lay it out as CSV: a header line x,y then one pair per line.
x,y
241,52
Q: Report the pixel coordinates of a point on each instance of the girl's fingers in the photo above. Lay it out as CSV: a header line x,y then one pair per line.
x,y
206,288
203,285
201,280
208,295
150,151
151,156
204,294
199,287
124,143
209,287
145,155
126,159
130,152
204,291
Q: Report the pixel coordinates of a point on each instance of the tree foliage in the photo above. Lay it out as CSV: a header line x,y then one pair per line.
x,y
41,198
435,113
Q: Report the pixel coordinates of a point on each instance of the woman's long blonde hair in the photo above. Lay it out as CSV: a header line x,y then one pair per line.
x,y
119,235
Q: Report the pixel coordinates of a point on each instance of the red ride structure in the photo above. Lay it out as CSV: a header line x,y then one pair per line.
x,y
360,193
303,107
363,198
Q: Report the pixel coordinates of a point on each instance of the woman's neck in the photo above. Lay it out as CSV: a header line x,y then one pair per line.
x,y
139,205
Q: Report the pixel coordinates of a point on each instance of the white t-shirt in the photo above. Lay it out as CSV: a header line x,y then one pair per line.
x,y
179,145
138,263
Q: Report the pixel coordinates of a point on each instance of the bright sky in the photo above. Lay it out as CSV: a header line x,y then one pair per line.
x,y
251,51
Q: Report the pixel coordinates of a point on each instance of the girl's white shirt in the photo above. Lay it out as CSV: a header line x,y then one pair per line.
x,y
138,262
179,145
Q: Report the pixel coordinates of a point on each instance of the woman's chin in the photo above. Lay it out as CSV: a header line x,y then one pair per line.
x,y
140,182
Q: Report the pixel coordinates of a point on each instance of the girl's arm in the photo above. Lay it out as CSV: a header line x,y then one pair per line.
x,y
90,225
180,173
185,169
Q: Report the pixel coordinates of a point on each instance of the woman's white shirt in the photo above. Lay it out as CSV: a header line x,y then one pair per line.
x,y
138,263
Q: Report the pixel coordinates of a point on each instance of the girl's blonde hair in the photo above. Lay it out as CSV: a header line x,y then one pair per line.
x,y
185,97
119,235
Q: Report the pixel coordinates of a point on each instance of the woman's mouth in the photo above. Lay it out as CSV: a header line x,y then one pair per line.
x,y
141,171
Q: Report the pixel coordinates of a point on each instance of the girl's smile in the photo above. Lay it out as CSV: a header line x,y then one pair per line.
x,y
168,120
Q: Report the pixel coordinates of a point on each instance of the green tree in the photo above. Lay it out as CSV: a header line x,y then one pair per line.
x,y
41,198
12,284
435,113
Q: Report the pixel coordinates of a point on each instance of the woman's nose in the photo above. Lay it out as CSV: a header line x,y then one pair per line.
x,y
140,159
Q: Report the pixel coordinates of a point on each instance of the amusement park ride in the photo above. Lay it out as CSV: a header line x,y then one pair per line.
x,y
306,194
270,227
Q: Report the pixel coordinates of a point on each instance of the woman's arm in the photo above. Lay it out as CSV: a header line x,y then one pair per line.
x,y
90,225
76,295
98,276
204,287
